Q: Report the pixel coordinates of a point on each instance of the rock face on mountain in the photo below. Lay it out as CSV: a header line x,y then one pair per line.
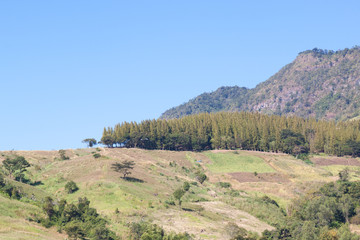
x,y
318,83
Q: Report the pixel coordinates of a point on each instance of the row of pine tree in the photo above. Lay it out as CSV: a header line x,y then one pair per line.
x,y
239,130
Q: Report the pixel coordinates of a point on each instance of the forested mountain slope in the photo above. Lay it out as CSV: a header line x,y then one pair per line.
x,y
318,83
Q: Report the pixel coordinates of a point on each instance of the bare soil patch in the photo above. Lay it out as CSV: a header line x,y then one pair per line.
x,y
260,177
326,161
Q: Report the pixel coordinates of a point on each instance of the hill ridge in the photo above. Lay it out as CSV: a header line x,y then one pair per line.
x,y
319,83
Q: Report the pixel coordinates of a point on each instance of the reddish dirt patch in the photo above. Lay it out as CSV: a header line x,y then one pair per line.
x,y
336,161
261,177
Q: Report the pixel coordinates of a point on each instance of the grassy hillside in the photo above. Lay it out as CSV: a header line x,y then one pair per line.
x,y
14,223
232,194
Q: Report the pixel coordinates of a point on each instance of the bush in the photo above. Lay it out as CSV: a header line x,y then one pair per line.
x,y
148,231
201,177
12,191
78,220
224,184
96,155
2,181
269,200
234,193
62,154
170,202
344,175
71,187
186,186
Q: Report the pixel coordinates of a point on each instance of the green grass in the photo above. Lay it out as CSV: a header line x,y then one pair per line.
x,y
135,200
230,162
13,223
191,217
335,169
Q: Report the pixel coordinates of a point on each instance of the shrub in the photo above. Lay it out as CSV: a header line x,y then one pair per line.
x,y
186,186
234,193
62,154
224,184
269,200
71,187
201,177
178,194
344,175
2,180
170,202
96,155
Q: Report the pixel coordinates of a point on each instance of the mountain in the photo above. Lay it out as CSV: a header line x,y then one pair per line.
x,y
319,83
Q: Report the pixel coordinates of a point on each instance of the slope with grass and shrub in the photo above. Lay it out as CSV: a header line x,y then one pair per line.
x,y
249,189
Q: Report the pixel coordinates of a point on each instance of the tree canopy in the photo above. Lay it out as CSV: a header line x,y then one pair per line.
x,y
239,130
16,165
123,167
90,142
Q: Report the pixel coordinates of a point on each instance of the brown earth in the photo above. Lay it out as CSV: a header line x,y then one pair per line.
x,y
324,161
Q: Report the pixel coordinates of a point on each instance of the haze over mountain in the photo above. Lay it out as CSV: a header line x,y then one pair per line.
x,y
319,83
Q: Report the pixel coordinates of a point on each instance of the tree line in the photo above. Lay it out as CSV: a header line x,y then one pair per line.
x,y
238,130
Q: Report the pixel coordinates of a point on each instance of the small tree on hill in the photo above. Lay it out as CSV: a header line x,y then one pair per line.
x,y
90,142
123,167
71,187
344,175
16,164
178,194
200,176
186,186
49,207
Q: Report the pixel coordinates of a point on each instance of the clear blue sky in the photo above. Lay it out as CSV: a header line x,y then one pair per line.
x,y
70,68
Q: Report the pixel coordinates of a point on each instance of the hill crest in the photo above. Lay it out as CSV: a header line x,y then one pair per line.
x,y
318,83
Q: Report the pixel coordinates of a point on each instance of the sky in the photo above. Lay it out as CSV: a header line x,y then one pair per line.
x,y
70,68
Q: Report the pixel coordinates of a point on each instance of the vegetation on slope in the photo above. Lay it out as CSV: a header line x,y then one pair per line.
x,y
223,99
318,83
323,214
166,188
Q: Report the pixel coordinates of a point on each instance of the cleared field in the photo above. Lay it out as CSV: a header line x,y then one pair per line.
x,y
331,160
237,162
